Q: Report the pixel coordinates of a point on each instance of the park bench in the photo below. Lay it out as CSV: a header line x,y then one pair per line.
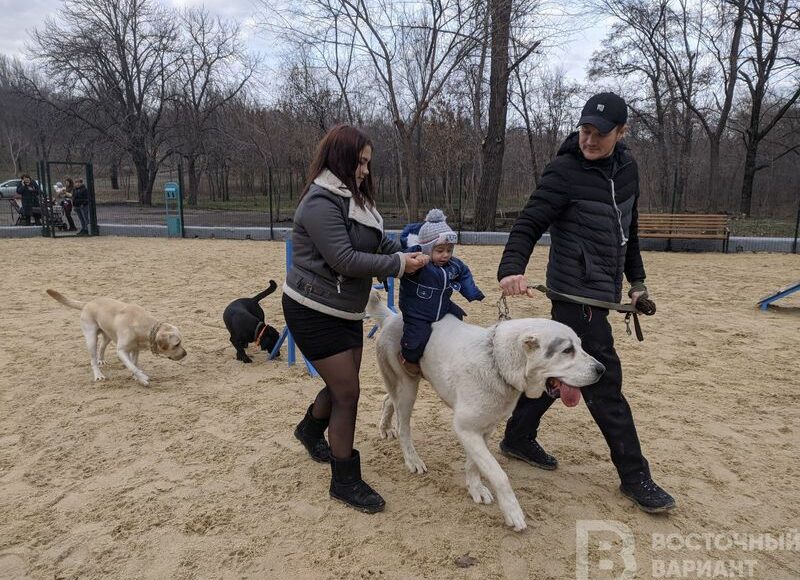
x,y
686,226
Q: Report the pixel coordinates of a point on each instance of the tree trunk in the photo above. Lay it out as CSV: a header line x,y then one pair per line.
x,y
151,180
194,179
142,177
746,200
411,185
495,143
114,175
714,186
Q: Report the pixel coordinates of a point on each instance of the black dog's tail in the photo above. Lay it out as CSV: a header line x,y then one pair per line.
x,y
261,295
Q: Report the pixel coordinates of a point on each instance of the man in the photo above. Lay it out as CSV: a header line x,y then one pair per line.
x,y
588,197
80,200
28,191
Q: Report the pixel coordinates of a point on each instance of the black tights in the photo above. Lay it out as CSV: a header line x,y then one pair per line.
x,y
339,399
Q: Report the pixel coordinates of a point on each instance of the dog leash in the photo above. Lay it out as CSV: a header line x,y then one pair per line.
x,y
503,312
643,306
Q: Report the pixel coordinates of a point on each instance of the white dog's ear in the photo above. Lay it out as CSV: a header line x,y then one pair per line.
x,y
174,340
531,343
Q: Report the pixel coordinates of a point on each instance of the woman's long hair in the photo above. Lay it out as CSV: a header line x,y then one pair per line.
x,y
339,152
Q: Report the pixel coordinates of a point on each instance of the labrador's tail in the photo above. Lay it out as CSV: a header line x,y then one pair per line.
x,y
377,309
66,301
261,295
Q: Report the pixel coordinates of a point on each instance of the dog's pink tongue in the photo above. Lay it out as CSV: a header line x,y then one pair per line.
x,y
570,396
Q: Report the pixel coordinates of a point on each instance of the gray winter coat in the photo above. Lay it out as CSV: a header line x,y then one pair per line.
x,y
337,249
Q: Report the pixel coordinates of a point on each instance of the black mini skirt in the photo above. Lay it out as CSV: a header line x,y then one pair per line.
x,y
320,335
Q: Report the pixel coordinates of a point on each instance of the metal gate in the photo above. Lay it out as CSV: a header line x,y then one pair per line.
x,y
53,224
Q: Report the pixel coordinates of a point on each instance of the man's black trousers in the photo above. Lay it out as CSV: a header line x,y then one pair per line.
x,y
604,399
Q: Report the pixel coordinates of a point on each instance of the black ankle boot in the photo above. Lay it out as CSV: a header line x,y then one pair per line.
x,y
348,487
311,433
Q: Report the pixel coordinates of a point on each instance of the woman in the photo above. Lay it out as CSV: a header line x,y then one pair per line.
x,y
65,195
338,247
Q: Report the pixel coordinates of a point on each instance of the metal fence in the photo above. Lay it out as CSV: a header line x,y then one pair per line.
x,y
261,207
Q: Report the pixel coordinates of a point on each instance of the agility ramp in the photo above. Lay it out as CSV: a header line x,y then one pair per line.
x,y
764,302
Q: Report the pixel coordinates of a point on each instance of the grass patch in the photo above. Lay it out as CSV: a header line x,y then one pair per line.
x,y
762,227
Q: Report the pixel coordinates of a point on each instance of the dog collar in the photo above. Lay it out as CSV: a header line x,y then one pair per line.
x,y
260,333
152,337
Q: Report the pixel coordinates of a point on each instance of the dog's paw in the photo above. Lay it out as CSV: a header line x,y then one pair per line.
x,y
387,432
416,465
143,379
102,362
515,519
99,377
481,494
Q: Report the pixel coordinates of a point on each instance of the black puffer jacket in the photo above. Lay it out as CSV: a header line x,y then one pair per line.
x,y
30,196
591,210
80,196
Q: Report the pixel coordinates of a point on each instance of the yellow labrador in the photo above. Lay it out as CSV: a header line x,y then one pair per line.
x,y
131,327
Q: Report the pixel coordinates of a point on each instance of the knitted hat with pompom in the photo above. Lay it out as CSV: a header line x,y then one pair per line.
x,y
435,231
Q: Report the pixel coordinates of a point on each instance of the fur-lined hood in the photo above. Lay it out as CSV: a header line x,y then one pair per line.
x,y
367,215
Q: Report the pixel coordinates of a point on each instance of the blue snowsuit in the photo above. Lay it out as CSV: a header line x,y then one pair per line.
x,y
425,297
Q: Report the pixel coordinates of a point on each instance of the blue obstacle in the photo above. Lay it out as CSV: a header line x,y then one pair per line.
x,y
286,334
389,287
764,303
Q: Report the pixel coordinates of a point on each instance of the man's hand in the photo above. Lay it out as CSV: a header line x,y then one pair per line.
x,y
643,303
636,295
515,285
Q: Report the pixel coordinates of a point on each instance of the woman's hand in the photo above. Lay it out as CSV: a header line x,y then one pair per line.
x,y
515,285
415,261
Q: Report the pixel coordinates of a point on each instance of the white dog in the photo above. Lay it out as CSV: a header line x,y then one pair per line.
x,y
131,327
480,373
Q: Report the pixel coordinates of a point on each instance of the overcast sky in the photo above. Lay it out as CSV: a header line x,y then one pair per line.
x,y
19,17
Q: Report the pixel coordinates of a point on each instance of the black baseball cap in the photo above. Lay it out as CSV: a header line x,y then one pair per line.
x,y
605,111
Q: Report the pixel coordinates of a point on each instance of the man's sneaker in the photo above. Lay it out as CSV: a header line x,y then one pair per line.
x,y
646,494
530,452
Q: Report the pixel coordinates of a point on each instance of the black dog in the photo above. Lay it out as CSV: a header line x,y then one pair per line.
x,y
244,319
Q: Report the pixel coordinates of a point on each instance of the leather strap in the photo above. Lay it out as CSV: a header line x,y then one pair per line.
x,y
643,306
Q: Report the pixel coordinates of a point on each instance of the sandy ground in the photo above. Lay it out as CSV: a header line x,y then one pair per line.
x,y
198,476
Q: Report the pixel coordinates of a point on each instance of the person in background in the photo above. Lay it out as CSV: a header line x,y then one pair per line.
x,y
28,192
64,194
80,200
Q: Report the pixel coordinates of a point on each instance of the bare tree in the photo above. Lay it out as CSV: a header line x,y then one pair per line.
x,y
308,92
213,69
113,61
633,52
771,72
410,51
546,101
12,118
502,15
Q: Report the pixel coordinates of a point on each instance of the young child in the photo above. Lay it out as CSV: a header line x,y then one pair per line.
x,y
425,295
